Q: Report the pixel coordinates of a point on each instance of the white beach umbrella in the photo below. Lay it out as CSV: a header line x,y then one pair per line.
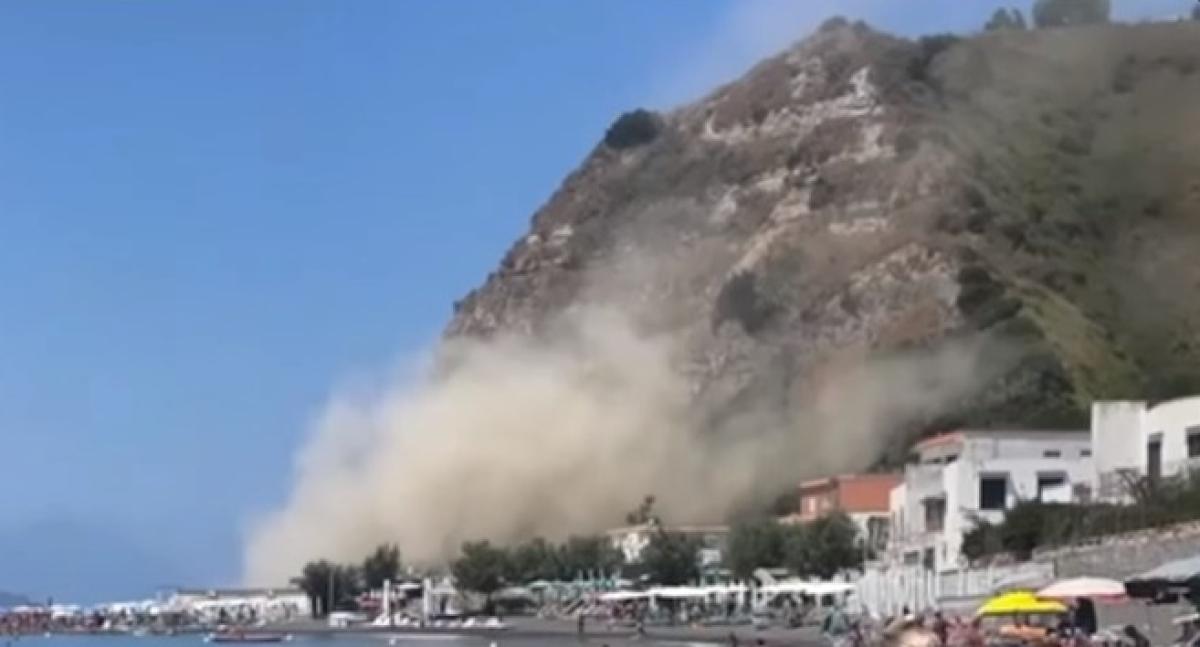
x,y
1083,587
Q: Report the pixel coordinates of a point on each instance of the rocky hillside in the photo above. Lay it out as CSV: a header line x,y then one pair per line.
x,y
860,193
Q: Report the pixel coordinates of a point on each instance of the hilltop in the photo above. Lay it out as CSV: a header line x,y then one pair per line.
x,y
861,195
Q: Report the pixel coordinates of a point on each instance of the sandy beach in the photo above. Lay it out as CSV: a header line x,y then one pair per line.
x,y
527,629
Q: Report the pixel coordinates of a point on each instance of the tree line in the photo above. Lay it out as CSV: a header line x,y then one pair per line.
x,y
1048,14
330,586
820,548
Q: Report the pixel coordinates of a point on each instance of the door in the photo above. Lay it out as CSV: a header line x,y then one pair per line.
x,y
1154,458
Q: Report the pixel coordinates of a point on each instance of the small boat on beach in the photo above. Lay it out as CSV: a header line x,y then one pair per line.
x,y
238,637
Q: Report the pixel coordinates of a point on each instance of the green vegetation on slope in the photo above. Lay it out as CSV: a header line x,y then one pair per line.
x,y
1079,205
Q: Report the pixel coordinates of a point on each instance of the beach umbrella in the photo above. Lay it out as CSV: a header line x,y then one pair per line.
x,y
1020,603
1084,587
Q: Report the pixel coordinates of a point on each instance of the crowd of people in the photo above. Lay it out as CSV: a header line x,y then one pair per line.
x,y
1077,628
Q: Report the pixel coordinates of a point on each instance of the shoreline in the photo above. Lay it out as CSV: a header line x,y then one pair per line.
x,y
524,628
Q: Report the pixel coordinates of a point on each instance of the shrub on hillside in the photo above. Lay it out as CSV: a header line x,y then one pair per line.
x,y
1006,20
928,49
740,301
633,129
1068,13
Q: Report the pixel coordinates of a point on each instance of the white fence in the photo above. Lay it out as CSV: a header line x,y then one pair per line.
x,y
885,591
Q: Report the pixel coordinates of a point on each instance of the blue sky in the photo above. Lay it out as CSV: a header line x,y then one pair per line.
x,y
214,213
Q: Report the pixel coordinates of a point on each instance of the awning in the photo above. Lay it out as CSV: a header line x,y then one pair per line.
x,y
1173,575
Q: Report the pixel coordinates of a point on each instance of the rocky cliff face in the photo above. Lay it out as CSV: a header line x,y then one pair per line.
x,y
859,194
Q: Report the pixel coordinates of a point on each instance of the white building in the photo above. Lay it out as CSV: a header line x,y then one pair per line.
x,y
952,479
264,604
1134,439
632,540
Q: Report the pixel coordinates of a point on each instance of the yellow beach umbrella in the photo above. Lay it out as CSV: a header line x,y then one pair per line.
x,y
1020,603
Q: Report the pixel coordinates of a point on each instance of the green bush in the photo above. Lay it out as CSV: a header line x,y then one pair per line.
x,y
633,129
1006,20
928,49
740,301
1067,13
1030,525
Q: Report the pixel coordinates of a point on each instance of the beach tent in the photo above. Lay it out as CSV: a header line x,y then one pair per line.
x,y
1020,603
622,596
677,592
808,588
514,593
1098,588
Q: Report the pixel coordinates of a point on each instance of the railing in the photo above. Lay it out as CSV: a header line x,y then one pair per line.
x,y
887,590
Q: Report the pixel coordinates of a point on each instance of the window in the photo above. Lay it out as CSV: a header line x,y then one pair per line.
x,y
1052,453
935,515
993,492
1085,453
1193,442
1052,487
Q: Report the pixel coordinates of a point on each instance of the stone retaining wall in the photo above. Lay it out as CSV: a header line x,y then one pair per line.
x,y
1121,556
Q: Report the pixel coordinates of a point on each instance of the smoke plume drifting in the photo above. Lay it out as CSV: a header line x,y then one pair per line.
x,y
516,438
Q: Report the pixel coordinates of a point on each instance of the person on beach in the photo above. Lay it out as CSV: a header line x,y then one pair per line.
x,y
581,623
836,627
1135,637
908,631
940,627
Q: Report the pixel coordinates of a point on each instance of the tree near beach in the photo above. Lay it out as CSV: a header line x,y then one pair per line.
x,y
582,556
823,547
381,565
672,558
328,586
313,580
754,544
481,568
643,514
536,559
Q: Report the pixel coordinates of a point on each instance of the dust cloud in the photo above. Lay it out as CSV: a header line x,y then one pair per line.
x,y
513,438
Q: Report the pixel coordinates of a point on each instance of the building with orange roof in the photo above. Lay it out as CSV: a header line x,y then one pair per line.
x,y
863,497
